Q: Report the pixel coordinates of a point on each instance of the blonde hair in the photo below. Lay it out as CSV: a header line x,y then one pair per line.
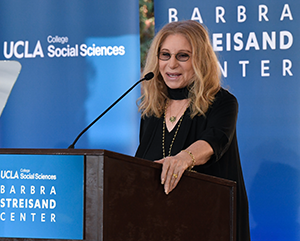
x,y
206,80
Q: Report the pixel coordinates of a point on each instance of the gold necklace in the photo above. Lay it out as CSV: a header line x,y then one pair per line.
x,y
173,118
175,134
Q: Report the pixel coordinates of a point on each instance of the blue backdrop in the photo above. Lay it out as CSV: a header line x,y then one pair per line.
x,y
77,57
258,48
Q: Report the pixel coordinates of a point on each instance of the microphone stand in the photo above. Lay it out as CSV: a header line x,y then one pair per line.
x,y
148,76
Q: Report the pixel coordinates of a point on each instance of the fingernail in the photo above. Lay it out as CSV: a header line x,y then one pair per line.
x,y
162,181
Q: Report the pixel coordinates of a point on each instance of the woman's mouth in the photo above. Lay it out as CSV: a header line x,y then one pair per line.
x,y
173,75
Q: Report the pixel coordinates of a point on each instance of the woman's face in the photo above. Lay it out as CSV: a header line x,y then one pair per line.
x,y
176,73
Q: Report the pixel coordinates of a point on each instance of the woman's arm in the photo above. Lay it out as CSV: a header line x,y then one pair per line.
x,y
213,142
174,166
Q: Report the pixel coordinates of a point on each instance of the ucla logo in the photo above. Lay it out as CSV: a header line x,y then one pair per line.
x,y
9,174
20,49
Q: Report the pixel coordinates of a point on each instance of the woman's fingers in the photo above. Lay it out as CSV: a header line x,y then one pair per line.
x,y
167,174
171,173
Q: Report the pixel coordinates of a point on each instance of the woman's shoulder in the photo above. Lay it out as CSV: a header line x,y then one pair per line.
x,y
224,101
225,95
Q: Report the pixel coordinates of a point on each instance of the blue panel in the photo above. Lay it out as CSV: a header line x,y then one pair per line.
x,y
266,35
41,196
48,104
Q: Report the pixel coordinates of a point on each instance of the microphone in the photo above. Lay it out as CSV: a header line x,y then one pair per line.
x,y
147,77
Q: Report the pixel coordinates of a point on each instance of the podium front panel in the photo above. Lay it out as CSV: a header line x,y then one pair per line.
x,y
136,208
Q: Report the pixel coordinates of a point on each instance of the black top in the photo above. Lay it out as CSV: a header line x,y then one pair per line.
x,y
218,128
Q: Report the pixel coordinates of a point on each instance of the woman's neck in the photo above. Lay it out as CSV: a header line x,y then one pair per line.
x,y
178,94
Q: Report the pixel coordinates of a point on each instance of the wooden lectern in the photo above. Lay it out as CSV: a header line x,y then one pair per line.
x,y
125,201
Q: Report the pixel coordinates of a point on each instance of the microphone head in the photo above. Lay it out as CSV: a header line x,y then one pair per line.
x,y
149,76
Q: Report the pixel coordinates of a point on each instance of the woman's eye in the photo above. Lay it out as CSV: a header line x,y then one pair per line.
x,y
165,54
183,55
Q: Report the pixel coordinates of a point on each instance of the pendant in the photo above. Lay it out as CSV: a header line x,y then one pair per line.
x,y
172,119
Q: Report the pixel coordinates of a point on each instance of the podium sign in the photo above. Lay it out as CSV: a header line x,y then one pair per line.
x,y
41,196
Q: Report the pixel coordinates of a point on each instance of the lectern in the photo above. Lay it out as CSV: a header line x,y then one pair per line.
x,y
123,199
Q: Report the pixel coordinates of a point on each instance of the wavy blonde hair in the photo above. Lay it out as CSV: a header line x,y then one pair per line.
x,y
204,84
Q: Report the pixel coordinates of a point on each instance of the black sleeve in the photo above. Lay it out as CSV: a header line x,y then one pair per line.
x,y
221,123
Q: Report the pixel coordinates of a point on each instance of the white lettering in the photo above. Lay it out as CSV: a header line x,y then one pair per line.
x,y
21,203
241,14
262,13
285,39
38,50
27,54
243,63
286,13
56,39
228,41
53,191
217,40
264,68
12,217
8,56
286,67
12,189
267,40
52,204
22,189
224,70
2,202
19,52
238,40
18,55
32,189
22,216
42,190
173,15
283,36
2,189
196,15
53,218
220,11
43,217
37,204
15,203
252,42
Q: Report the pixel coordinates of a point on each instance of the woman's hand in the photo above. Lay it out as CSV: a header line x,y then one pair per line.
x,y
174,166
172,170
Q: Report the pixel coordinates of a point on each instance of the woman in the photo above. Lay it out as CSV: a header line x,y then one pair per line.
x,y
188,119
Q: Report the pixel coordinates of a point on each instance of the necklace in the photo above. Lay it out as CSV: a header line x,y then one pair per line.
x,y
173,118
175,134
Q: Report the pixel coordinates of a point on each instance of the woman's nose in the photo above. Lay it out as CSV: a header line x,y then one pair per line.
x,y
173,62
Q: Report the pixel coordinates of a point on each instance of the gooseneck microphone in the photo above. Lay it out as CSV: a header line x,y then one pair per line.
x,y
148,76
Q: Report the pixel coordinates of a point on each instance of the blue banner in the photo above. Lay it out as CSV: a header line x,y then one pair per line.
x,y
77,58
258,48
41,196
